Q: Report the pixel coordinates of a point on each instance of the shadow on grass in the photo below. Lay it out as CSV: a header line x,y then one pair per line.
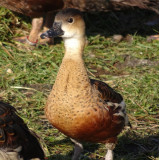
x,y
88,148
130,147
133,146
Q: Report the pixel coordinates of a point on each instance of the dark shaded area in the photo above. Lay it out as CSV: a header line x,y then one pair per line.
x,y
129,21
133,21
129,145
88,148
132,144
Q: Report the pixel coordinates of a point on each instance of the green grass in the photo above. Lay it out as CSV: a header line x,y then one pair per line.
x,y
28,75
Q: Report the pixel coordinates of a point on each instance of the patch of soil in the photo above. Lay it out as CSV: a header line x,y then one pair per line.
x,y
130,61
120,68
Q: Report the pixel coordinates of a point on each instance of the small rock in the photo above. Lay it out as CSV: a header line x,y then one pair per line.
x,y
9,71
128,38
153,37
117,38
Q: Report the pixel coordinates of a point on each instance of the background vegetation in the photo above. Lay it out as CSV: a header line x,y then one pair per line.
x,y
129,66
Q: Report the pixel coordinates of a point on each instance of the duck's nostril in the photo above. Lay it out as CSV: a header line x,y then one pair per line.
x,y
43,36
50,33
47,34
56,25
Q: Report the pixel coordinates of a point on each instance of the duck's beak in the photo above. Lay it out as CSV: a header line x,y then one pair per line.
x,y
55,31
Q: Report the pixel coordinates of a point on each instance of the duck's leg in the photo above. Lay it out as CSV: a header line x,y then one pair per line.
x,y
110,147
78,148
33,36
36,28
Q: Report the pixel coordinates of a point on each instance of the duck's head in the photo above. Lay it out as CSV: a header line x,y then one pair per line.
x,y
68,24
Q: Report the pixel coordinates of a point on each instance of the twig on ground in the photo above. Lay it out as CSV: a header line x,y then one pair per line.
x,y
9,54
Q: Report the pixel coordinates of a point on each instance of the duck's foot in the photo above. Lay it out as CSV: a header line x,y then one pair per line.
x,y
25,40
21,44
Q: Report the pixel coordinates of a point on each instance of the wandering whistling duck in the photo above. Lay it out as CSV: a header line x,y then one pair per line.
x,y
17,142
38,8
82,108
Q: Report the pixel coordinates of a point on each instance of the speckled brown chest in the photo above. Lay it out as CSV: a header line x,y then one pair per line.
x,y
75,107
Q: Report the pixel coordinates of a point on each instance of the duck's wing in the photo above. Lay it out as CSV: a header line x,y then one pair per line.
x,y
114,101
14,134
107,93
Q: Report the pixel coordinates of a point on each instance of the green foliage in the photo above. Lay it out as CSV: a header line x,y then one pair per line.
x,y
6,20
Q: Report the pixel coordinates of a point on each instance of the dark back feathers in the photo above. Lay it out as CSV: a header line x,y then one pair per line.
x,y
107,93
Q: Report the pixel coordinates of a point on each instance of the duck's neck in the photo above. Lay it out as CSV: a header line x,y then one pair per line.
x,y
72,75
74,47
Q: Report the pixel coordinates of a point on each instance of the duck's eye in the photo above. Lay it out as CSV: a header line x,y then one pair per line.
x,y
70,20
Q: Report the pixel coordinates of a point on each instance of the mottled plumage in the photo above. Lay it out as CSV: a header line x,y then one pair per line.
x,y
16,140
107,93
